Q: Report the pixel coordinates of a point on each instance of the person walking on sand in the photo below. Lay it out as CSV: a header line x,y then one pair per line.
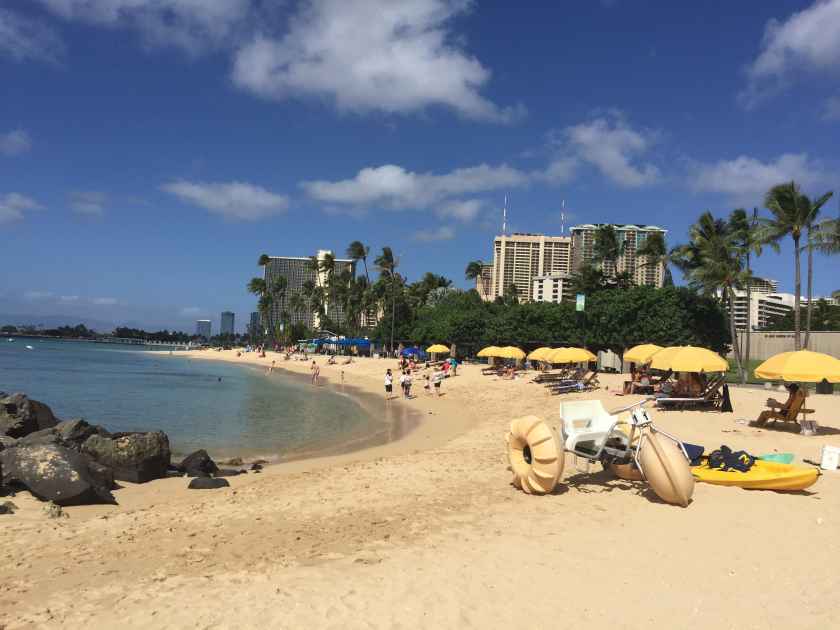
x,y
408,384
437,379
427,385
316,371
402,382
389,383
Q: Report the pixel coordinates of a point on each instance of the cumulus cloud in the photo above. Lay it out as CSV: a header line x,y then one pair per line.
x,y
371,55
192,25
807,40
88,202
746,179
37,295
394,187
613,147
13,205
443,233
67,299
463,210
232,200
26,39
16,141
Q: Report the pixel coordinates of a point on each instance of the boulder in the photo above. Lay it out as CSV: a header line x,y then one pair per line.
x,y
7,442
43,437
227,472
207,483
75,432
54,473
20,416
134,457
256,467
233,461
198,464
7,507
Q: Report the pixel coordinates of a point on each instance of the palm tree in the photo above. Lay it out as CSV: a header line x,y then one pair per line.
x,y
606,249
263,260
713,263
387,265
793,213
813,229
257,287
357,251
474,271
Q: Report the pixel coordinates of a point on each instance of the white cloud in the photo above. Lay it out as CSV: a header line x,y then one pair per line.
x,y
371,55
746,179
807,40
68,298
13,205
25,39
612,146
443,233
88,202
394,187
560,170
16,141
104,301
465,210
232,200
192,25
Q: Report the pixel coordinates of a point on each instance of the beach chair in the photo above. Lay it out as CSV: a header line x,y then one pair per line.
x,y
586,383
785,414
710,397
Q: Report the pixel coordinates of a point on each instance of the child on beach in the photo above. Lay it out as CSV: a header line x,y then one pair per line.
x,y
408,384
402,382
427,384
389,384
437,379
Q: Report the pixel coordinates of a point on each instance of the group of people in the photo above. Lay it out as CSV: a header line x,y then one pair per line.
x,y
405,381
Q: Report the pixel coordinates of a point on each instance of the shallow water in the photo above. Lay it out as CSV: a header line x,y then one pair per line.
x,y
224,408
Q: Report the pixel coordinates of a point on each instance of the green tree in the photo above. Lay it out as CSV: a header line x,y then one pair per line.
x,y
655,253
473,272
606,249
793,214
387,265
357,251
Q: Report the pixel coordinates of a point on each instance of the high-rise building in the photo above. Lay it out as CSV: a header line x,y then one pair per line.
x,y
203,328
254,328
519,258
763,306
227,323
630,240
764,285
298,271
484,282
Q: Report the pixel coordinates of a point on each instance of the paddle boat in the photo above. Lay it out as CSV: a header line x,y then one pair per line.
x,y
633,449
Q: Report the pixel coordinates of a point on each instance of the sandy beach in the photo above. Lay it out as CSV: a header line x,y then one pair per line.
x,y
428,532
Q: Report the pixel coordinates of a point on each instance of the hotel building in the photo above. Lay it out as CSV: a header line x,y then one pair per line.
x,y
203,328
520,258
227,323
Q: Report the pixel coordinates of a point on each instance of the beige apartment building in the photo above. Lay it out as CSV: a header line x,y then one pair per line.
x,y
630,239
520,258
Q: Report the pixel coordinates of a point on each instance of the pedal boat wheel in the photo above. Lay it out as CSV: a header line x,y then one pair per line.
x,y
535,454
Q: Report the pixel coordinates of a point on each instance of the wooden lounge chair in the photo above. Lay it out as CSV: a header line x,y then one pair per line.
x,y
588,382
786,413
711,397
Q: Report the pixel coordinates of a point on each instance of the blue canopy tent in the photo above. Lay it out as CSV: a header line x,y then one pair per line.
x,y
414,351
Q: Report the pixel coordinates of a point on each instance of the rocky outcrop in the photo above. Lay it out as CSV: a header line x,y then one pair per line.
x,y
76,431
20,416
134,457
198,464
57,474
207,483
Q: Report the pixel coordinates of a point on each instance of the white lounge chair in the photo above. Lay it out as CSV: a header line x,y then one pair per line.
x,y
586,427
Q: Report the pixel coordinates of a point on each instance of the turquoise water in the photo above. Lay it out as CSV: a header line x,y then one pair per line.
x,y
224,408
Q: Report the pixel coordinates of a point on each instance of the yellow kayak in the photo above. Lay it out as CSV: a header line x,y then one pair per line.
x,y
763,475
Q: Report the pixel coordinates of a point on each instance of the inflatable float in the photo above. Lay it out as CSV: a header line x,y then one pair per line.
x,y
535,454
764,475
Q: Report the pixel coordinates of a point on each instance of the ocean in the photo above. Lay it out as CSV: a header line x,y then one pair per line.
x,y
224,408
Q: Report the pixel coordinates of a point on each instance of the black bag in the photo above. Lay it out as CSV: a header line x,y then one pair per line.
x,y
724,459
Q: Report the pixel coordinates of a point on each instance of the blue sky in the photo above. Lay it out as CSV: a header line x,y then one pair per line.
x,y
150,150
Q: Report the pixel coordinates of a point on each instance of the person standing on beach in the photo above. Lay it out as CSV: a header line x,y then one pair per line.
x,y
316,371
437,379
402,382
389,384
408,384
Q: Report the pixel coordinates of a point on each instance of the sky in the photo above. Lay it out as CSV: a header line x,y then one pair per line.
x,y
151,150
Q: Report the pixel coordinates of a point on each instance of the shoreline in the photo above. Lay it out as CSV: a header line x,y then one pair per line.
x,y
412,427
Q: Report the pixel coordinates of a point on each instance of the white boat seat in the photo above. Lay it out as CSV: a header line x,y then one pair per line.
x,y
586,425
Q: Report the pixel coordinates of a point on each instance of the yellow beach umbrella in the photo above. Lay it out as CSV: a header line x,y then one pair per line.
x,y
438,348
571,355
688,359
511,352
489,351
641,353
539,354
803,366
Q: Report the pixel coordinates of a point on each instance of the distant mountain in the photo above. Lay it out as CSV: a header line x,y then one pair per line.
x,y
53,321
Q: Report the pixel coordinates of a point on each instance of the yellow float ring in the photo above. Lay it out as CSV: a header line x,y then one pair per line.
x,y
535,454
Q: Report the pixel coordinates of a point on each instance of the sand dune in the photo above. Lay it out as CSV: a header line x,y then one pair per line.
x,y
428,532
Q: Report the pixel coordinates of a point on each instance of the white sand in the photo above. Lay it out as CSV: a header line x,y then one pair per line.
x,y
429,533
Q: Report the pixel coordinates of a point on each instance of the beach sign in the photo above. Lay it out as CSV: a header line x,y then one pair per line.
x,y
580,302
